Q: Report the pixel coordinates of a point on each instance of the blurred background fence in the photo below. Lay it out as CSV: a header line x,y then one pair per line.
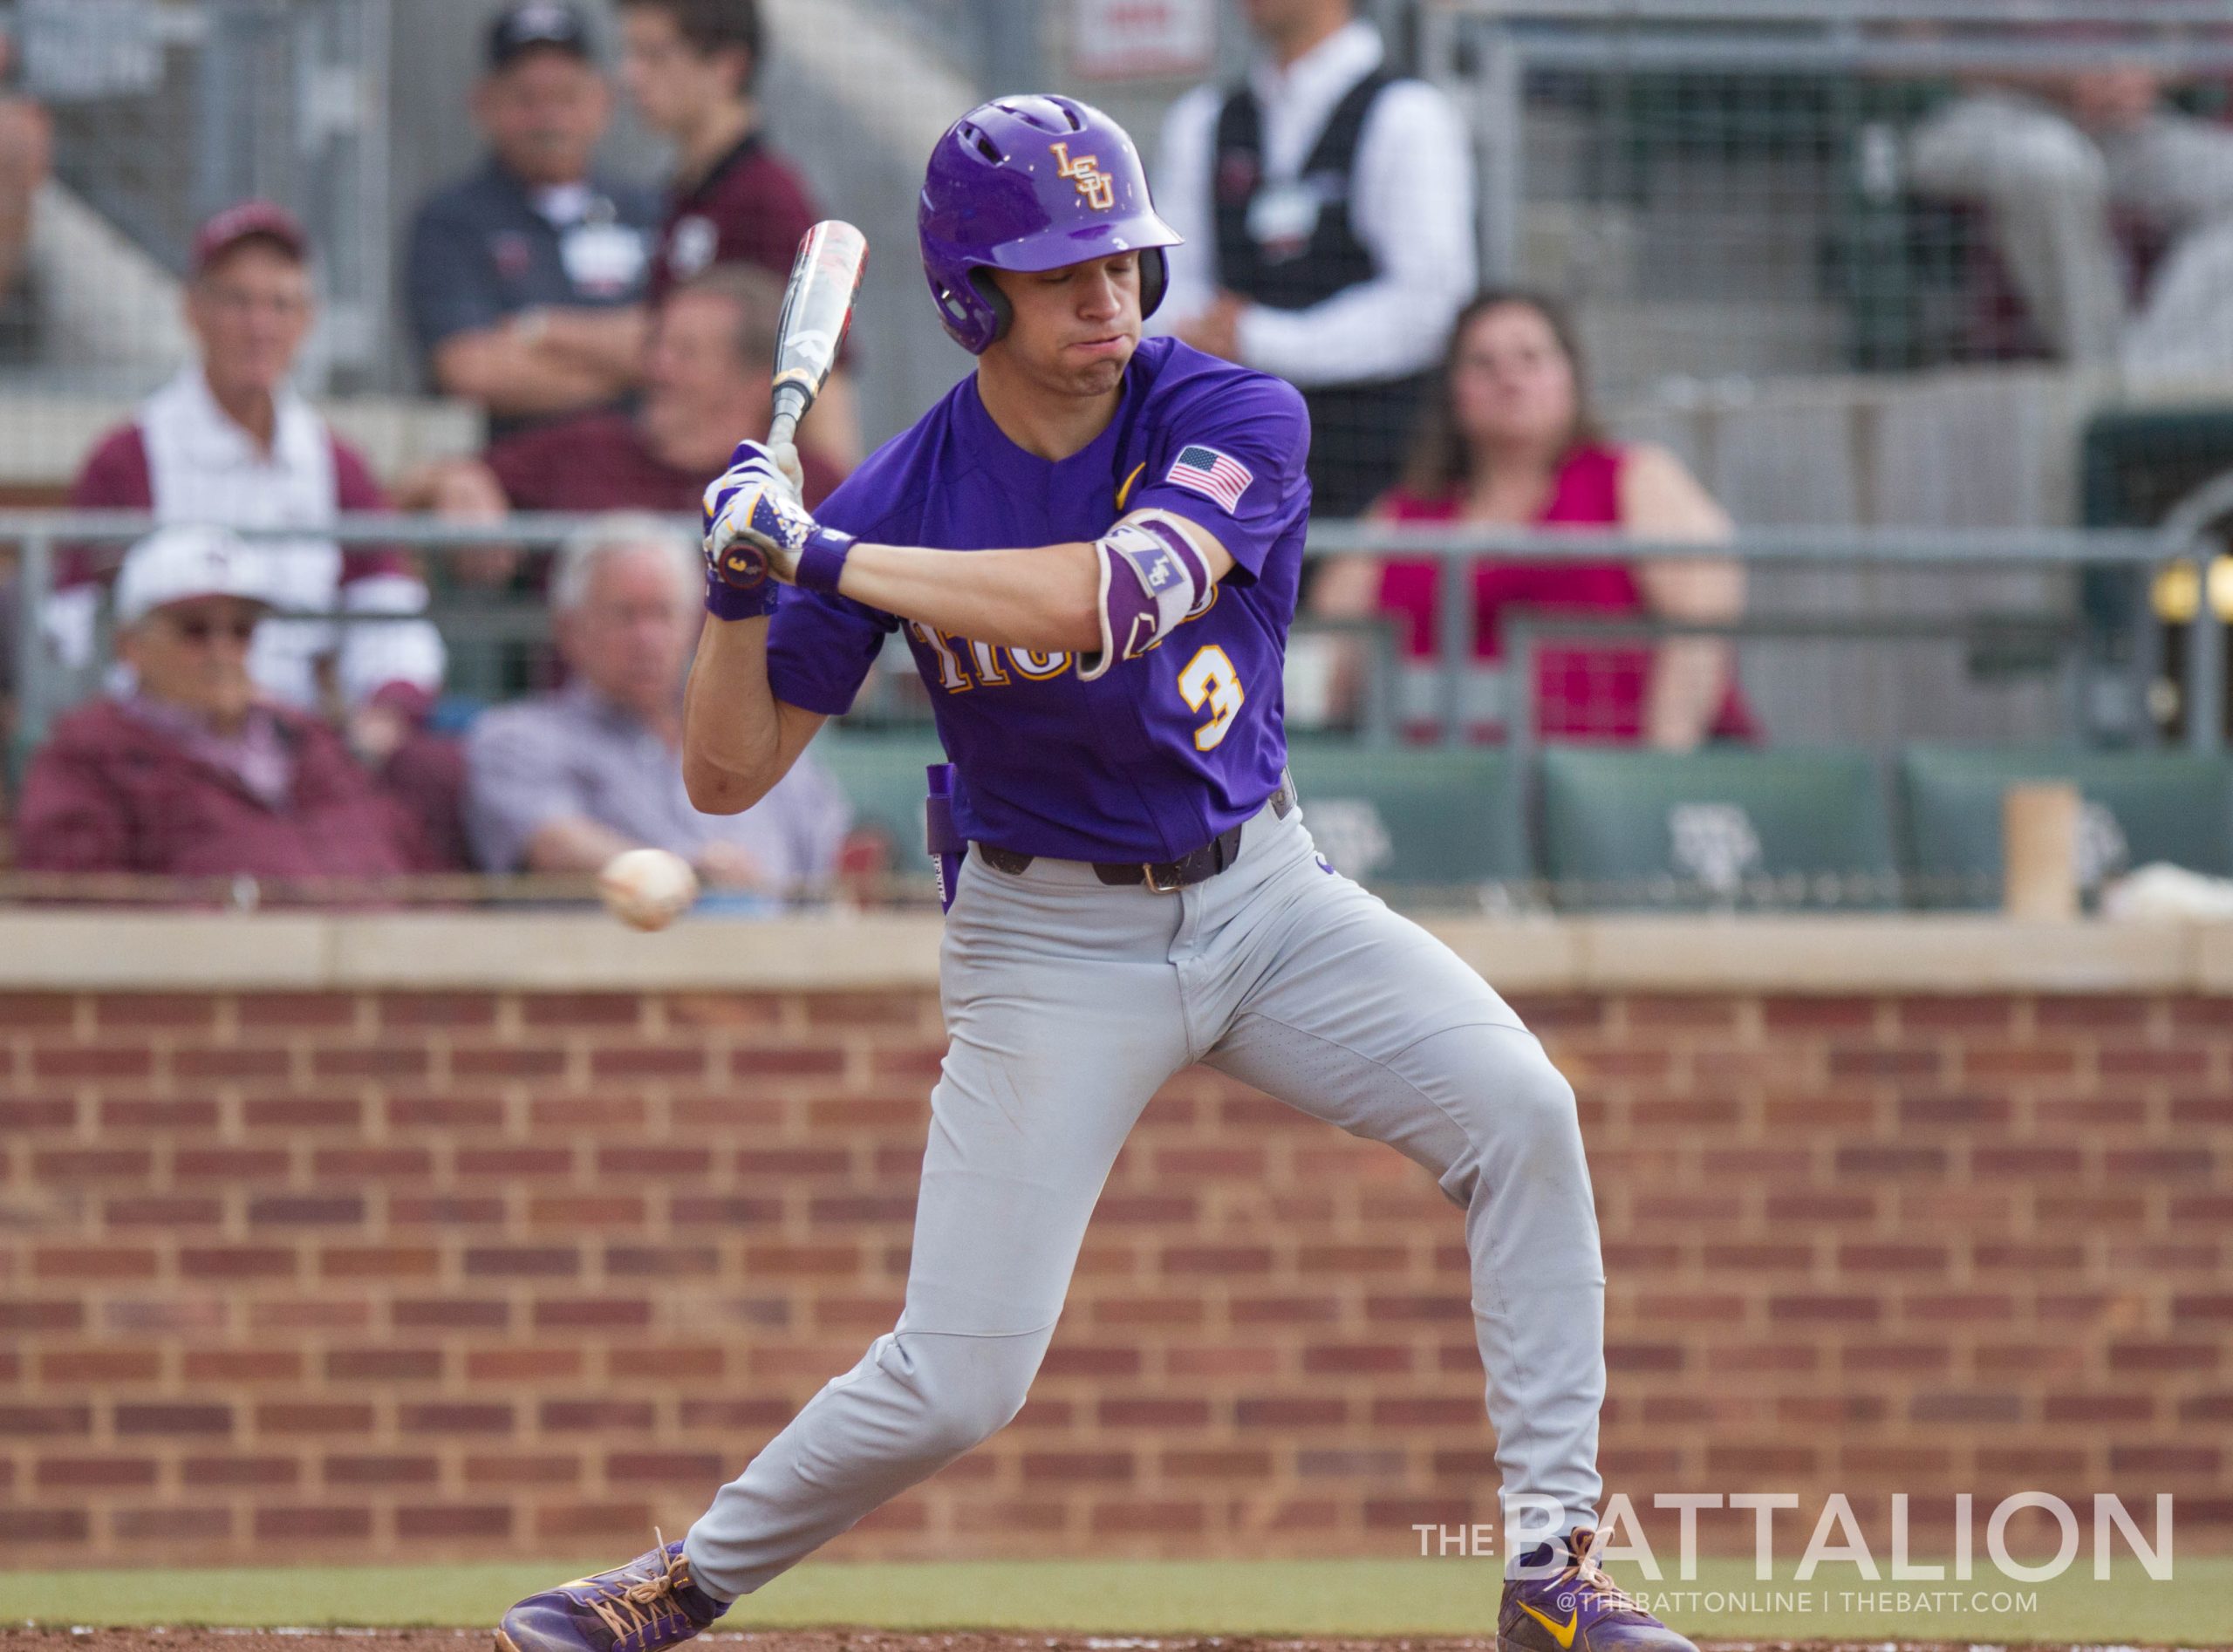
x,y
1953,522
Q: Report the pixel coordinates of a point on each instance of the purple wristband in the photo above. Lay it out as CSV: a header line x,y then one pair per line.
x,y
725,601
824,560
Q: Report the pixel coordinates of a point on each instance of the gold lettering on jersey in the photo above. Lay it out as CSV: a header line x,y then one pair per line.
x,y
1096,185
988,665
965,665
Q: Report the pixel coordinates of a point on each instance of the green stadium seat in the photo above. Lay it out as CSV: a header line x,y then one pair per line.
x,y
1412,817
1631,828
2140,807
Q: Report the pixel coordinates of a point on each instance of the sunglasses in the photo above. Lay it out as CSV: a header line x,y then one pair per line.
x,y
199,628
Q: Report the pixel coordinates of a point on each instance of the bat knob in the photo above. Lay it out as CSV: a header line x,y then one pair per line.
x,y
742,567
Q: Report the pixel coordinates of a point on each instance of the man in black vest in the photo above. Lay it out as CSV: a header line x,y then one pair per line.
x,y
1328,208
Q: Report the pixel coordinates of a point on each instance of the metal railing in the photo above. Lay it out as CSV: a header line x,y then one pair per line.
x,y
43,686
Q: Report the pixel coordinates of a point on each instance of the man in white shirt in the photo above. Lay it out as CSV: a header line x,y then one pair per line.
x,y
230,441
1328,208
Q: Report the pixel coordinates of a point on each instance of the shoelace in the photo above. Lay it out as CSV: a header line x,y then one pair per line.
x,y
628,1611
1593,1580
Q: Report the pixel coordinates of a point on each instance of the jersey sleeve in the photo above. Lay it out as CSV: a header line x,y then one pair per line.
x,y
1233,465
821,647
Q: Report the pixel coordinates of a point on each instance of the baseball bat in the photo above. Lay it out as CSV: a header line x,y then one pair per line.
x,y
817,309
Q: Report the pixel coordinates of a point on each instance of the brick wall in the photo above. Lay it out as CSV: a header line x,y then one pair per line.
x,y
396,1273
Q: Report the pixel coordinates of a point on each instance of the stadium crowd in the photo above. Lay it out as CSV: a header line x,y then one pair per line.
x,y
275,707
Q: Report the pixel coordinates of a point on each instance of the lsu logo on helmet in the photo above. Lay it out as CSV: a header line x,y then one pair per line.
x,y
1096,185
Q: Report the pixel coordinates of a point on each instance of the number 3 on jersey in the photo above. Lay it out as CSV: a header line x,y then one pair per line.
x,y
1209,679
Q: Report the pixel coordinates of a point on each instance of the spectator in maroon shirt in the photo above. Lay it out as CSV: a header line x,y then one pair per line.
x,y
192,771
705,390
689,66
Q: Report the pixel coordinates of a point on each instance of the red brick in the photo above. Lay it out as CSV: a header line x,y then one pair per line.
x,y
107,1060
54,1165
229,1165
455,1418
451,1313
305,1011
417,1011
187,1525
22,1012
704,1469
582,1011
604,1312
43,1525
93,1262
378,1262
21,1316
571,1522
244,1365
508,1060
522,1262
236,1262
173,1419
454,1520
306,1525
88,1473
231,1061
381,1471
103,1366
314,1417
302,1113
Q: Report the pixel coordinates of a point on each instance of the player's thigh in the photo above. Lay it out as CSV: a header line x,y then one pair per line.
x,y
1361,1017
1054,1048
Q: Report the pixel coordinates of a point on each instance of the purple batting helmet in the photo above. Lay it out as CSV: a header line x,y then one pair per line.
x,y
1032,183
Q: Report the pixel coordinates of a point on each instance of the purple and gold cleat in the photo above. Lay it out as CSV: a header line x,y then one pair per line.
x,y
1576,1607
643,1605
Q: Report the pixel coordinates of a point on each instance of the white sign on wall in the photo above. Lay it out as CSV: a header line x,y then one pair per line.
x,y
1141,39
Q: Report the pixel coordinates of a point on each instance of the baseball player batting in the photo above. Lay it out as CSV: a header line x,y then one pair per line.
x,y
1092,546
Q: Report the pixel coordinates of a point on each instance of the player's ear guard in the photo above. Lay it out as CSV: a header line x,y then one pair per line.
x,y
1152,577
1154,280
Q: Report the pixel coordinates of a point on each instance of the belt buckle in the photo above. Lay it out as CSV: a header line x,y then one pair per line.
x,y
1147,872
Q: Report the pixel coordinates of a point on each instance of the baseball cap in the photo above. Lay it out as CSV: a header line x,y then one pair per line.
x,y
177,565
249,219
522,27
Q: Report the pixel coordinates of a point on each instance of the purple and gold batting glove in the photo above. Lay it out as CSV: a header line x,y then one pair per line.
x,y
758,534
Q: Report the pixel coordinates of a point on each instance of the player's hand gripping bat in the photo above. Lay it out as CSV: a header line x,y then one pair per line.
x,y
817,310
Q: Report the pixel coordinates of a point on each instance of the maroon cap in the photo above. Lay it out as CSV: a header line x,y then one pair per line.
x,y
250,221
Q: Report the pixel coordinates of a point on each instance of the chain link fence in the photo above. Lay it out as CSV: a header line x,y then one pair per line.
x,y
164,111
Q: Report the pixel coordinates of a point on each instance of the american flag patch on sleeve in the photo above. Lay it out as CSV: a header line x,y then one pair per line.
x,y
1213,474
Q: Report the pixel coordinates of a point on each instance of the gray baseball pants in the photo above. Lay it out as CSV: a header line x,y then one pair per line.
x,y
1068,1003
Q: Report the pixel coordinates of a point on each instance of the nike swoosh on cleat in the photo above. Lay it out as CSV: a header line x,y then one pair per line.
x,y
1562,1633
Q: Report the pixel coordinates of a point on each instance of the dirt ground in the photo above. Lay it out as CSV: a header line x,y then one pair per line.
x,y
850,1640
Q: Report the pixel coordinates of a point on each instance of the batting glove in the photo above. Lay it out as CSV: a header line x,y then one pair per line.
x,y
758,534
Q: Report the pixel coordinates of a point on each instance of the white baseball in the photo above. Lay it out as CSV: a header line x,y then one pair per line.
x,y
647,887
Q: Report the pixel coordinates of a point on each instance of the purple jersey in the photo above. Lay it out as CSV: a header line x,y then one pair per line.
x,y
1159,755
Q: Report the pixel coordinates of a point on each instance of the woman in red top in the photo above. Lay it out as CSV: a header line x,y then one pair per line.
x,y
1512,443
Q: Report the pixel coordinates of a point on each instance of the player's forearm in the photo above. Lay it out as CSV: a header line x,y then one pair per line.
x,y
1047,599
608,342
731,730
513,377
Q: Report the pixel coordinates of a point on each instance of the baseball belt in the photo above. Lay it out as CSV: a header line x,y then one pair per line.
x,y
1164,877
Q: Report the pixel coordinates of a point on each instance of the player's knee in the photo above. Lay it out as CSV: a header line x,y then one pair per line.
x,y
973,1388
1517,1109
